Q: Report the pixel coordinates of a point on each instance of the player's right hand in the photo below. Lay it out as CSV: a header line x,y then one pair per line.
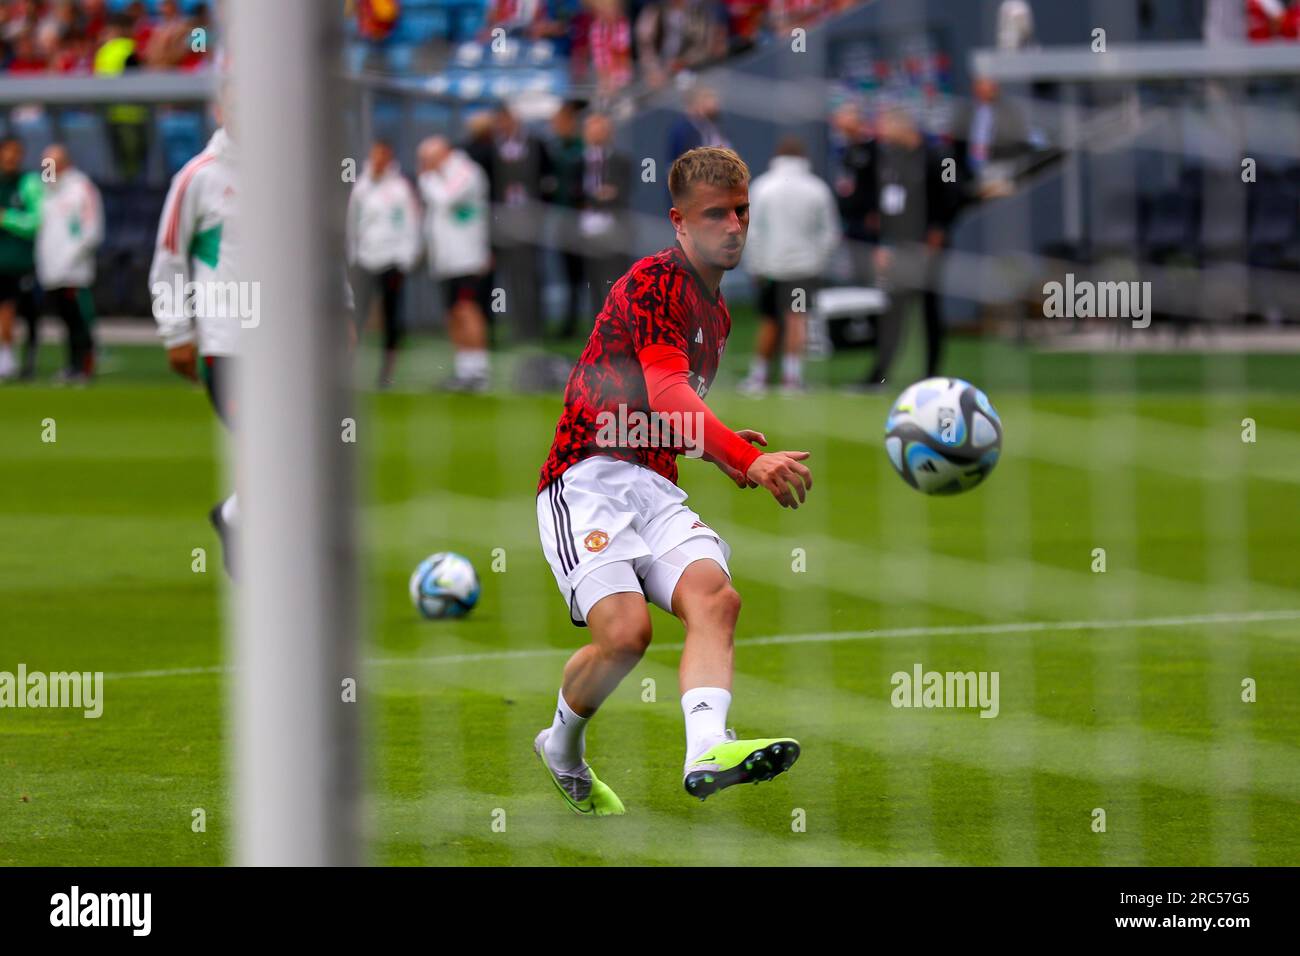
x,y
184,360
780,473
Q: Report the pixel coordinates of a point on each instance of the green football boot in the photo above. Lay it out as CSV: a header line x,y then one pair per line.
x,y
732,761
584,794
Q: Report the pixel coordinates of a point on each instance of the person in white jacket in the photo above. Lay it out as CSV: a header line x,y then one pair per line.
x,y
456,202
383,241
793,230
194,270
71,230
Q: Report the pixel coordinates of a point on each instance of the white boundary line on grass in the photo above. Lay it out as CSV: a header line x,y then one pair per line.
x,y
827,637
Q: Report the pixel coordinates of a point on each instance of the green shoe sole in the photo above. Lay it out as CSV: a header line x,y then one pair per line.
x,y
760,765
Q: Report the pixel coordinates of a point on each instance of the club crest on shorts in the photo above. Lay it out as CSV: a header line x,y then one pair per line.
x,y
596,541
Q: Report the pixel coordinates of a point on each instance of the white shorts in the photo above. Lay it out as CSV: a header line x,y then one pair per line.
x,y
609,526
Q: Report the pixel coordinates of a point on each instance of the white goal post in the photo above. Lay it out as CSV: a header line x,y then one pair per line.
x,y
295,753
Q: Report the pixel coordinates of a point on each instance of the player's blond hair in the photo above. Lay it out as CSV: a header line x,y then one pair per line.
x,y
712,165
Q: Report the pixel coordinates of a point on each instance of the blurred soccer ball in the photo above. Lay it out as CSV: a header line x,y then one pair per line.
x,y
943,436
444,585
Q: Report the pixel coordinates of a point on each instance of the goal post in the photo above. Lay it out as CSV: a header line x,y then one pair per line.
x,y
294,635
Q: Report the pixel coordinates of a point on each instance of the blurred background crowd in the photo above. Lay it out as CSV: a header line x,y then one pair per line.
x,y
971,151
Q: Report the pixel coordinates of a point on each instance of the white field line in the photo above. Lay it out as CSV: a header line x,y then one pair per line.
x,y
958,630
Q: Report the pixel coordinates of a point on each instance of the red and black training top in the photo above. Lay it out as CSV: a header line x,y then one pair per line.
x,y
660,301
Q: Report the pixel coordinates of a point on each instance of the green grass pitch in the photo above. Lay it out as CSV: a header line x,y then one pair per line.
x,y
1132,706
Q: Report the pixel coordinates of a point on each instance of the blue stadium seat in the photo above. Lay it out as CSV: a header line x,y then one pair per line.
x,y
86,138
182,135
34,130
399,57
116,6
420,26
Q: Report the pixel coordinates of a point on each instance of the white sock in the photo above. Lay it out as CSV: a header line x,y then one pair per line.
x,y
758,370
6,360
567,743
706,718
230,511
792,369
472,363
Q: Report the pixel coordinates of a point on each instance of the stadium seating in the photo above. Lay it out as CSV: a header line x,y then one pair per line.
x,y
182,134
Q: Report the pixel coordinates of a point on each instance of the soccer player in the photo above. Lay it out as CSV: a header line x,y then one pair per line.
x,y
383,240
796,229
72,227
615,526
20,217
455,193
196,243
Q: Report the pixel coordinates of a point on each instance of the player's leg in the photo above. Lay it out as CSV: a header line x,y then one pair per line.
x,y
586,521
707,604
688,576
765,345
619,625
32,316
390,291
795,302
620,632
68,306
7,311
467,329
363,290
86,309
889,334
792,360
574,279
224,515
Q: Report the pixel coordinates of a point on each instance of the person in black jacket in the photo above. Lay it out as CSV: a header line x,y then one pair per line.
x,y
564,192
855,186
520,166
606,176
916,198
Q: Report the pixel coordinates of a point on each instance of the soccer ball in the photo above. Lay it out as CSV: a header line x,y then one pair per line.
x,y
444,585
943,436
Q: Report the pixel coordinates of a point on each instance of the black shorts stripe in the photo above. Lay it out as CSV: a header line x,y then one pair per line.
x,y
568,522
551,490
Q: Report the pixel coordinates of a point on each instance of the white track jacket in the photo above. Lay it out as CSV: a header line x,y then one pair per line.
x,y
456,217
72,227
794,223
197,243
383,230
